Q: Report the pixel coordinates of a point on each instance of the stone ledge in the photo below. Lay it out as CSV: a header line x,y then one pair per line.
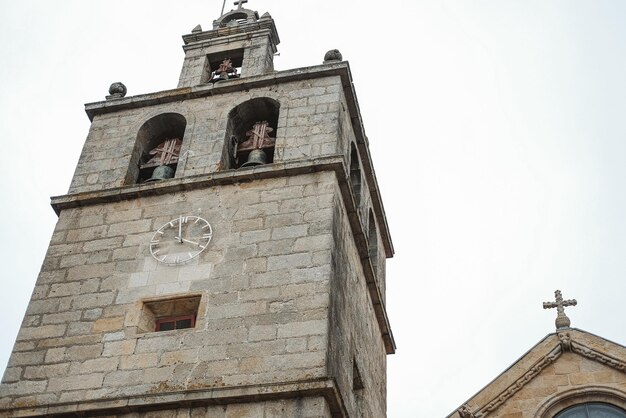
x,y
200,181
340,69
191,397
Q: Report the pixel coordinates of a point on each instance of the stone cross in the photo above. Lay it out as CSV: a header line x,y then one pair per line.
x,y
562,321
240,3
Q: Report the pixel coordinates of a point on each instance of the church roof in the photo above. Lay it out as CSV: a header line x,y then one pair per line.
x,y
560,365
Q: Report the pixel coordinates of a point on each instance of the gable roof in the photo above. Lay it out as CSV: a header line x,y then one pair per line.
x,y
545,353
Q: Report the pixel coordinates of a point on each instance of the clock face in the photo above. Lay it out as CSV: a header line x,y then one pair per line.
x,y
180,240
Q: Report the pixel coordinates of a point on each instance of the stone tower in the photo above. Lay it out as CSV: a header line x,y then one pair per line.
x,y
220,252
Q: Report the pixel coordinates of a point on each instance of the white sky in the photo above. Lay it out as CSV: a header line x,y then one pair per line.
x,y
496,128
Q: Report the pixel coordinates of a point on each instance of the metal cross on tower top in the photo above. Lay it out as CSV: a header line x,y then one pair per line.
x,y
238,3
562,321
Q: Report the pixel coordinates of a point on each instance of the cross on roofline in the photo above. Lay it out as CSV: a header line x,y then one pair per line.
x,y
562,321
238,3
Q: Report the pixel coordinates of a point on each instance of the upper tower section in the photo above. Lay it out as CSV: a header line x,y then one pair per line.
x,y
241,44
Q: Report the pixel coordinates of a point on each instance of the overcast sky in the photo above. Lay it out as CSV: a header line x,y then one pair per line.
x,y
497,131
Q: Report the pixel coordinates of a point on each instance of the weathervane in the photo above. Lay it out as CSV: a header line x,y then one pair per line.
x,y
562,321
238,3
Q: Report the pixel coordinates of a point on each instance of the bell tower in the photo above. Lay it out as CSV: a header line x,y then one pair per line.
x,y
220,252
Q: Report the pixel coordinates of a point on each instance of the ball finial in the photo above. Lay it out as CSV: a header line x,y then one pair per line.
x,y
332,55
117,90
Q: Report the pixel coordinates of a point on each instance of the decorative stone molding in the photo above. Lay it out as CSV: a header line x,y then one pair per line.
x,y
466,412
565,340
541,364
566,344
603,358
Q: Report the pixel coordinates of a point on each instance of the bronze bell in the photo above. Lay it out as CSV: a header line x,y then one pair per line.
x,y
256,157
162,172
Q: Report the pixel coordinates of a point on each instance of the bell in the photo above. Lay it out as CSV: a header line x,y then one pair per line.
x,y
162,172
256,157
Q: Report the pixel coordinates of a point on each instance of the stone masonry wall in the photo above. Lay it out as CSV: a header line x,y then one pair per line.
x,y
354,332
307,128
314,407
264,283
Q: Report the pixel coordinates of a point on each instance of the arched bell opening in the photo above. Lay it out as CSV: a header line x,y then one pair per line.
x,y
251,133
157,149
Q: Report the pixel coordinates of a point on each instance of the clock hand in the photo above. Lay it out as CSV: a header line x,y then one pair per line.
x,y
187,241
190,242
180,228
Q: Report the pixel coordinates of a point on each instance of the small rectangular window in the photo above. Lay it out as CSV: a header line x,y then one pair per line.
x,y
178,322
169,314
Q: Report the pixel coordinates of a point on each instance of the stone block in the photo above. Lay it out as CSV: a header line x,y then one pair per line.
x,y
83,352
130,227
61,318
103,244
262,332
55,355
87,381
24,387
123,378
41,332
299,329
289,261
283,219
252,237
139,361
87,234
276,247
12,374
291,231
64,289
93,300
120,348
179,357
106,364
108,324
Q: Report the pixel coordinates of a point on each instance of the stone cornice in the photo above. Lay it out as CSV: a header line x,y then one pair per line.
x,y
565,344
187,397
292,168
231,39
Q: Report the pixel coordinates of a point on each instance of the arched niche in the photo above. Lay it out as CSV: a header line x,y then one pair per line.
x,y
372,241
251,133
355,174
158,144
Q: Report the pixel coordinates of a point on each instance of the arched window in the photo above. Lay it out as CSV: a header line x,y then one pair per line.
x,y
157,149
373,242
251,133
592,410
355,174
